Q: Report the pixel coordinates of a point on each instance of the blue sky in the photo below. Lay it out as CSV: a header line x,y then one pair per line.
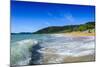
x,y
32,16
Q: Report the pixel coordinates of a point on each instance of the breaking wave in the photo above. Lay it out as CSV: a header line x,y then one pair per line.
x,y
57,49
51,48
20,51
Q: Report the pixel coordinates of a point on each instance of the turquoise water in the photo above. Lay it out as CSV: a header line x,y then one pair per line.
x,y
29,49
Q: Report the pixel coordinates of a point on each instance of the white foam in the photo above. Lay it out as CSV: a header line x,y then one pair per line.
x,y
58,46
27,42
20,51
73,47
57,35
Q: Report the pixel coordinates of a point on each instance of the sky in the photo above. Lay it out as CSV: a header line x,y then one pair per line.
x,y
33,16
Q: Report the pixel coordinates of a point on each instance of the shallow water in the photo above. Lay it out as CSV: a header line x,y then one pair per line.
x,y
29,49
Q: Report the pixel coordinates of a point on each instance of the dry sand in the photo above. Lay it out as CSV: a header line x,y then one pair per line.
x,y
80,34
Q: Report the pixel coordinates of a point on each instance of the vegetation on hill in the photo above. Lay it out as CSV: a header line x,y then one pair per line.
x,y
68,28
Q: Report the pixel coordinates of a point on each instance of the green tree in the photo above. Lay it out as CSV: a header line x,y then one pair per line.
x,y
82,28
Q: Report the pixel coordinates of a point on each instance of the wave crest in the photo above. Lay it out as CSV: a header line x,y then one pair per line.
x,y
20,51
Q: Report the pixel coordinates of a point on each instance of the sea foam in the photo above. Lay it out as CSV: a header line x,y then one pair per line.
x,y
20,51
55,51
51,48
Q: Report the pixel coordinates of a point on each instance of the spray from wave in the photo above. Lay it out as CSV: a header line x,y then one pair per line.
x,y
55,48
59,48
20,51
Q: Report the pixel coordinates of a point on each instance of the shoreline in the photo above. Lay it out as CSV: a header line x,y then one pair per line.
x,y
79,34
85,58
67,59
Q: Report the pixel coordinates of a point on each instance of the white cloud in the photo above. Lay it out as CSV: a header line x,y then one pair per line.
x,y
69,17
47,23
50,14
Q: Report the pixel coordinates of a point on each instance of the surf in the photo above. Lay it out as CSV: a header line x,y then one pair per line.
x,y
58,48
51,48
21,51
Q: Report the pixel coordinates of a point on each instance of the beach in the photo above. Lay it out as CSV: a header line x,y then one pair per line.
x,y
34,49
68,59
86,58
60,33
78,33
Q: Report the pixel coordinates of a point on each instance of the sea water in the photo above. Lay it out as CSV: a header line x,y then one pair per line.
x,y
30,49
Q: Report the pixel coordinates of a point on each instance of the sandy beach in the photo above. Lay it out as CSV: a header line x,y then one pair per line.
x,y
79,34
86,58
67,59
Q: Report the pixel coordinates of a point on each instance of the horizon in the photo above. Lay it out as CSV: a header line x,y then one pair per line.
x,y
33,16
40,29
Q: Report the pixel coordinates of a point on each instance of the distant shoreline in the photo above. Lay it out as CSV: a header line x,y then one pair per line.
x,y
77,33
20,33
80,34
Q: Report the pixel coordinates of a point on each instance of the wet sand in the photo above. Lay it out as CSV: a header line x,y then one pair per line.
x,y
87,58
54,58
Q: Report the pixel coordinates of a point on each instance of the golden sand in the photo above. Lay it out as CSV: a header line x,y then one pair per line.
x,y
86,58
80,34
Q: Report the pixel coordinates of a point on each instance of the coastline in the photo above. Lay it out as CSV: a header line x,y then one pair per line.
x,y
57,58
79,34
86,58
67,59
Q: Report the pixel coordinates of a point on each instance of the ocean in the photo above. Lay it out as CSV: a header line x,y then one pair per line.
x,y
34,49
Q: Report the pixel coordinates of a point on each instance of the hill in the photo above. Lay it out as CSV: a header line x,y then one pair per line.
x,y
67,28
